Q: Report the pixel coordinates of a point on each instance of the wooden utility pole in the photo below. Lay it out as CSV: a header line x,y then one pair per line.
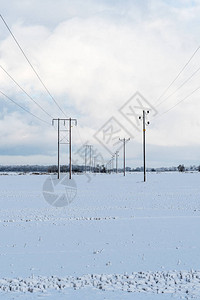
x,y
117,155
90,156
90,146
58,148
85,158
70,148
144,140
112,161
124,148
144,148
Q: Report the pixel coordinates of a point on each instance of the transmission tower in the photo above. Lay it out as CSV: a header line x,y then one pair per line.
x,y
65,140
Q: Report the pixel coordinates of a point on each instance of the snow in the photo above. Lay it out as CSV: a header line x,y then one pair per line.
x,y
120,238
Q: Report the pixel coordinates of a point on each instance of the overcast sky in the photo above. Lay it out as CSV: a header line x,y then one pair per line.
x,y
93,56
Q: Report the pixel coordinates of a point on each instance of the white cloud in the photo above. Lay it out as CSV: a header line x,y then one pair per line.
x,y
94,60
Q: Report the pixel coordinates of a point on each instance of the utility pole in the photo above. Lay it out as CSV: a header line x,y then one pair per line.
x,y
117,155
90,146
62,141
112,162
95,166
144,140
86,152
144,147
86,147
70,148
85,158
124,146
110,166
58,148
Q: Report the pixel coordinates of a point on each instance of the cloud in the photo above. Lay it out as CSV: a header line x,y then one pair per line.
x,y
93,60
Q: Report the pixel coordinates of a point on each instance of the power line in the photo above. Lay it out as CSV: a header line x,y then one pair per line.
x,y
181,71
179,87
26,110
26,93
32,67
178,103
80,138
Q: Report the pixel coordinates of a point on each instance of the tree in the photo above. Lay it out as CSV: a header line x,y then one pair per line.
x,y
181,168
52,169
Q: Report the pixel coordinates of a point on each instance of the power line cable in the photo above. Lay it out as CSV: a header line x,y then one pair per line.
x,y
80,137
198,88
26,92
179,87
32,67
26,110
177,76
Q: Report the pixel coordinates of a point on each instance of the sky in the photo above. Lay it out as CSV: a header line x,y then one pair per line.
x,y
94,56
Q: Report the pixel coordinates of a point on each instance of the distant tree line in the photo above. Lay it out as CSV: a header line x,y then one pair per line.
x,y
39,168
98,169
182,168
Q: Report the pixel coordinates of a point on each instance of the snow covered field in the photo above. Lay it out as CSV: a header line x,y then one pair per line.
x,y
119,239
